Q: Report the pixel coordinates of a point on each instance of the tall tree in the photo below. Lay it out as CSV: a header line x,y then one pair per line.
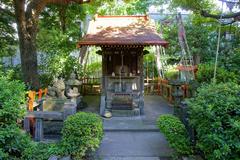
x,y
27,16
205,8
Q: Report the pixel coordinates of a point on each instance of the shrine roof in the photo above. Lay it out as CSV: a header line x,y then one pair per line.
x,y
121,31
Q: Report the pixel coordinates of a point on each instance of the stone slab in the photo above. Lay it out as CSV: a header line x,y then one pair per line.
x,y
127,124
130,158
53,115
134,144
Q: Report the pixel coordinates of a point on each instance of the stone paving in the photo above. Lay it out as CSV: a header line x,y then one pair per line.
x,y
136,138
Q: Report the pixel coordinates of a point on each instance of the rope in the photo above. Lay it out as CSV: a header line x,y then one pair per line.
x,y
186,59
218,45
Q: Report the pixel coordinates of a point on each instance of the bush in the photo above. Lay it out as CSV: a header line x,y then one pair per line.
x,y
11,99
81,132
215,114
206,71
13,140
176,134
40,151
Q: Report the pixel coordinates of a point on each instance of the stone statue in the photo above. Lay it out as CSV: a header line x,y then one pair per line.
x,y
57,89
73,81
72,87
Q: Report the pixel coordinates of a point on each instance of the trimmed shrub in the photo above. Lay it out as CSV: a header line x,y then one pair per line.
x,y
215,114
81,133
176,134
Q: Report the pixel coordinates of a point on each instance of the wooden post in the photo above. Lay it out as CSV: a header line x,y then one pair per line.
x,y
31,96
45,91
40,93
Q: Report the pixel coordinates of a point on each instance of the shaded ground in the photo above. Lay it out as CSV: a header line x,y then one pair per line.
x,y
133,138
153,107
133,145
92,103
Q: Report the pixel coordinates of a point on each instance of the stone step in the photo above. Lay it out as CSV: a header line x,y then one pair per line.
x,y
128,124
132,158
125,113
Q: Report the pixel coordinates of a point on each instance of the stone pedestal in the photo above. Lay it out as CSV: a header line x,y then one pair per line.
x,y
70,108
38,129
102,105
177,94
26,124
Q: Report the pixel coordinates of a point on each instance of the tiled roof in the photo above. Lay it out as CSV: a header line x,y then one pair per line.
x,y
122,31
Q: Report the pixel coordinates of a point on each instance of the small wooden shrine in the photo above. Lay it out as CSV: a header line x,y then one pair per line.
x,y
122,40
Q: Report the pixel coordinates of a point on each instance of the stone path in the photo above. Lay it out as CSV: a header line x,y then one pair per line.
x,y
136,138
133,145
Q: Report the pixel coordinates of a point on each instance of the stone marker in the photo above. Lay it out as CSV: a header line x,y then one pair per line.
x,y
26,124
107,114
38,129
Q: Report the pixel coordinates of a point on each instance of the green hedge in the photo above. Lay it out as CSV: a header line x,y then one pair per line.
x,y
81,133
176,134
215,114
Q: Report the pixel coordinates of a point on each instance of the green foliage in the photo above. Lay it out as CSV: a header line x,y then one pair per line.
x,y
40,151
171,74
59,65
200,39
93,69
12,96
176,134
8,39
205,74
215,114
232,62
193,4
116,7
13,140
81,132
11,73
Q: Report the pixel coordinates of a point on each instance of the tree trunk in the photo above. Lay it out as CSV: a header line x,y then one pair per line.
x,y
27,31
29,62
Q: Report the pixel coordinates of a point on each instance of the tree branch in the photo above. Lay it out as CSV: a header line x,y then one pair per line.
x,y
231,15
37,6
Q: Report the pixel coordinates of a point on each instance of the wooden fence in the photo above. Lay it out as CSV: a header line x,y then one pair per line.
x,y
90,86
162,88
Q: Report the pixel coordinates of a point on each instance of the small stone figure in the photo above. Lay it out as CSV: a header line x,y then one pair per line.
x,y
72,88
58,89
73,81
